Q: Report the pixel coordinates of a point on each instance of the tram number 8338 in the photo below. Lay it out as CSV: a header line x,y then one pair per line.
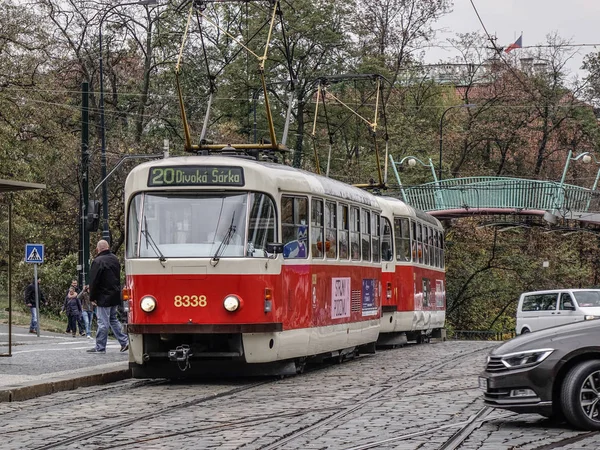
x,y
193,301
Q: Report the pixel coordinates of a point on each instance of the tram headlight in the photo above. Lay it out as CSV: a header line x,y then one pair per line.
x,y
148,304
232,303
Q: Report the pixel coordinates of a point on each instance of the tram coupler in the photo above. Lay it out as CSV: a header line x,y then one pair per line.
x,y
180,355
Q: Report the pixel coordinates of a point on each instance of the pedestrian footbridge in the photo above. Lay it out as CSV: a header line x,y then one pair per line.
x,y
502,195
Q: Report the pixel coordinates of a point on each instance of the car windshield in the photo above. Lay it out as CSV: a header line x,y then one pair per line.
x,y
587,298
200,225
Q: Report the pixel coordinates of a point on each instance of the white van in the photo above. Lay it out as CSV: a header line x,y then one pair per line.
x,y
544,309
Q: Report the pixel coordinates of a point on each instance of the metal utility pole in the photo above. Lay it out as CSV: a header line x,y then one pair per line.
x,y
84,234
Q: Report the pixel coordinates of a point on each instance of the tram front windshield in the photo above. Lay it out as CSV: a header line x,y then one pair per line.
x,y
200,225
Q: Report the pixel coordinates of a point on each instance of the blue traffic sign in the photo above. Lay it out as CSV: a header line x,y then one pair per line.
x,y
34,253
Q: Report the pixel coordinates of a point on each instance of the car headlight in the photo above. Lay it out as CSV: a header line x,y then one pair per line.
x,y
148,303
231,303
591,317
525,359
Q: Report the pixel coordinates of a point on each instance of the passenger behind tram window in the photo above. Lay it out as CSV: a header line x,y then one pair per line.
x,y
386,251
327,247
330,247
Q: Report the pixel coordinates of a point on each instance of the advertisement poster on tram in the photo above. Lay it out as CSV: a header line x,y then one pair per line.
x,y
340,298
369,297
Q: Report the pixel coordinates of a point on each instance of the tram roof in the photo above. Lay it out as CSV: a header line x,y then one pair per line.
x,y
397,206
282,178
13,186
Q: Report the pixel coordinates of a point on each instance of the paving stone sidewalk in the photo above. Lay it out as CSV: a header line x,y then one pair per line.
x,y
54,362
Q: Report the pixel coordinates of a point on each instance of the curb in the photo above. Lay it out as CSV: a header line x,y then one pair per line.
x,y
27,391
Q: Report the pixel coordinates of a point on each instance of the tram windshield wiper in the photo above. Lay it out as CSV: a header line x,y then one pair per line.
x,y
152,243
225,241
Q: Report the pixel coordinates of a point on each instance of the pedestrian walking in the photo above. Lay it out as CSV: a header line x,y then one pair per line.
x,y
72,308
30,301
88,310
105,293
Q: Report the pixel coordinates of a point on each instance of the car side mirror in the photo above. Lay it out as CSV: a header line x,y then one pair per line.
x,y
569,306
274,247
93,216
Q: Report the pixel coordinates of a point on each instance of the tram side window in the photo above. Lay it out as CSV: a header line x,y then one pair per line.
x,y
316,236
365,228
375,238
442,256
344,228
355,233
413,241
436,245
425,238
387,249
431,248
331,229
133,231
294,227
261,225
420,243
402,231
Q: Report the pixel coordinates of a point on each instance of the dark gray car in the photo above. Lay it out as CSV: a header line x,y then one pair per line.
x,y
552,372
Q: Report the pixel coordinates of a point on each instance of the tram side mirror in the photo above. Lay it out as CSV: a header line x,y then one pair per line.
x,y
274,247
93,216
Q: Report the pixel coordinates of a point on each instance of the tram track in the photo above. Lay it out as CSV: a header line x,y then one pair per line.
x,y
338,411
153,414
349,410
17,408
228,425
567,441
466,427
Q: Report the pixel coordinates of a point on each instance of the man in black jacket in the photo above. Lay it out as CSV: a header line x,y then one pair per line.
x,y
105,293
30,301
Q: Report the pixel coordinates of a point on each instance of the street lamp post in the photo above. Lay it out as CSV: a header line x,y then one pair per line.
x,y
465,105
412,161
587,158
105,230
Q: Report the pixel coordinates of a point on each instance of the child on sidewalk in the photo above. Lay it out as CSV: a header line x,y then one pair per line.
x,y
72,308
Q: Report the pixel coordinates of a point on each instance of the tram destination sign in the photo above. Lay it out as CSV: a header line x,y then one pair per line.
x,y
195,176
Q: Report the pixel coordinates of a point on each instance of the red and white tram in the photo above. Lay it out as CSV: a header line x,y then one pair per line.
x,y
413,278
237,264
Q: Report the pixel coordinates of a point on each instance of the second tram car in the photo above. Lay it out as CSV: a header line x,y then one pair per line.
x,y
233,263
413,279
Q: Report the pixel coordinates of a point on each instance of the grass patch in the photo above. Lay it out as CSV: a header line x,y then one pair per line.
x,y
22,317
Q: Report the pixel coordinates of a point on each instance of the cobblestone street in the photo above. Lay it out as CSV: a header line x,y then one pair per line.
x,y
417,397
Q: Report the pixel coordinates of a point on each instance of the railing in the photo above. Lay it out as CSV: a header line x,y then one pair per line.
x,y
505,193
481,335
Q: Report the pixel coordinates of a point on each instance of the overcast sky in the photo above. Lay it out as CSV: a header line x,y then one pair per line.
x,y
575,20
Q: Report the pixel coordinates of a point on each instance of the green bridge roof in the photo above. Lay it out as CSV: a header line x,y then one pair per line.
x,y
462,196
